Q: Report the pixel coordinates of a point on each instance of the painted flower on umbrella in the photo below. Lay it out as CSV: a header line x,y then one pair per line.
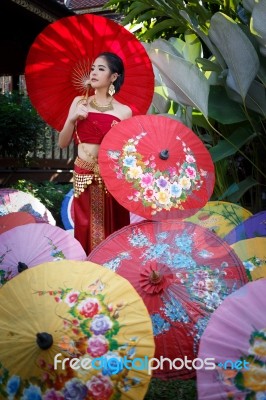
x,y
208,285
4,275
251,381
100,387
251,264
160,190
89,333
97,346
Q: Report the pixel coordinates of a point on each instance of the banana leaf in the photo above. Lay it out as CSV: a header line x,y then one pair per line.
x,y
237,51
184,78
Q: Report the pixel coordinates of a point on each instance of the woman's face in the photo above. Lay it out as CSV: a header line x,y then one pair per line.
x,y
100,75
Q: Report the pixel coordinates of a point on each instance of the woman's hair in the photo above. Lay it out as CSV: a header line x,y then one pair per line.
x,y
115,65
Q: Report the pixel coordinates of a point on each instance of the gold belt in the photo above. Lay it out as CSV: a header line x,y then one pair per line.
x,y
82,181
88,165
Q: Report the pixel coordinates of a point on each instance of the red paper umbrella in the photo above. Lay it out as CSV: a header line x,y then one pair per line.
x,y
183,272
59,62
14,219
156,167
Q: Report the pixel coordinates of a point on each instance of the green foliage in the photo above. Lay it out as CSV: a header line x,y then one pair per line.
x,y
171,390
50,194
152,19
210,73
20,126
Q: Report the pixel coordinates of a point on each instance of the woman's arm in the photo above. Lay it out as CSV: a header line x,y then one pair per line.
x,y
76,111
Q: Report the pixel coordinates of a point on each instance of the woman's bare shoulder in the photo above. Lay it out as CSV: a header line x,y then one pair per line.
x,y
75,101
123,110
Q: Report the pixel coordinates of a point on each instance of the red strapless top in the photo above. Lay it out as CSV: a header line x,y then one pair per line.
x,y
94,128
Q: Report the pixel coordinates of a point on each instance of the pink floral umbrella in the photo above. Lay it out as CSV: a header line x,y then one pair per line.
x,y
28,245
235,338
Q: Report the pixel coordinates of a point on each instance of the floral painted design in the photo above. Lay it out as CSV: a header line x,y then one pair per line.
x,y
5,275
159,324
207,285
56,253
160,190
251,264
250,381
174,310
88,332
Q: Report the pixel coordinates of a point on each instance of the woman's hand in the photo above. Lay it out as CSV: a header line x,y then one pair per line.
x,y
80,111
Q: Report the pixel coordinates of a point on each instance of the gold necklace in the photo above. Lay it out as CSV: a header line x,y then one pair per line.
x,y
99,107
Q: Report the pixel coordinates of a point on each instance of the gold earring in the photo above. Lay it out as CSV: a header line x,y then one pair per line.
x,y
111,89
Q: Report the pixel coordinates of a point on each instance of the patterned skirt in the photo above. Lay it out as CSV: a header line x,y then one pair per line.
x,y
96,213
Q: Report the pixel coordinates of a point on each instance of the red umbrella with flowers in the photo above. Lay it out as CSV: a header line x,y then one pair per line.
x,y
156,167
183,272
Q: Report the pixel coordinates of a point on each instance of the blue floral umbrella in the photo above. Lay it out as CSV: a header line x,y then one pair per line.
x,y
183,272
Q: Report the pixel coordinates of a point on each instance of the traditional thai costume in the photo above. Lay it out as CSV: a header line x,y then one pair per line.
x,y
96,213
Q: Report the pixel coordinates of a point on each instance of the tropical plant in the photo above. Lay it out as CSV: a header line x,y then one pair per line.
x,y
212,77
21,128
151,19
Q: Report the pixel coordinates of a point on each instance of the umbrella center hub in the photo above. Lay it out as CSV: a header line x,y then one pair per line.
x,y
155,277
44,340
164,154
22,266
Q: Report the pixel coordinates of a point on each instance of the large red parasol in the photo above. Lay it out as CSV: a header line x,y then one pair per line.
x,y
183,272
59,61
156,167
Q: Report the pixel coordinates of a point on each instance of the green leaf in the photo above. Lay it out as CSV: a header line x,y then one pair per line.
x,y
190,49
134,12
182,77
257,24
159,27
204,37
235,141
237,51
255,99
167,46
222,108
239,189
208,65
160,102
